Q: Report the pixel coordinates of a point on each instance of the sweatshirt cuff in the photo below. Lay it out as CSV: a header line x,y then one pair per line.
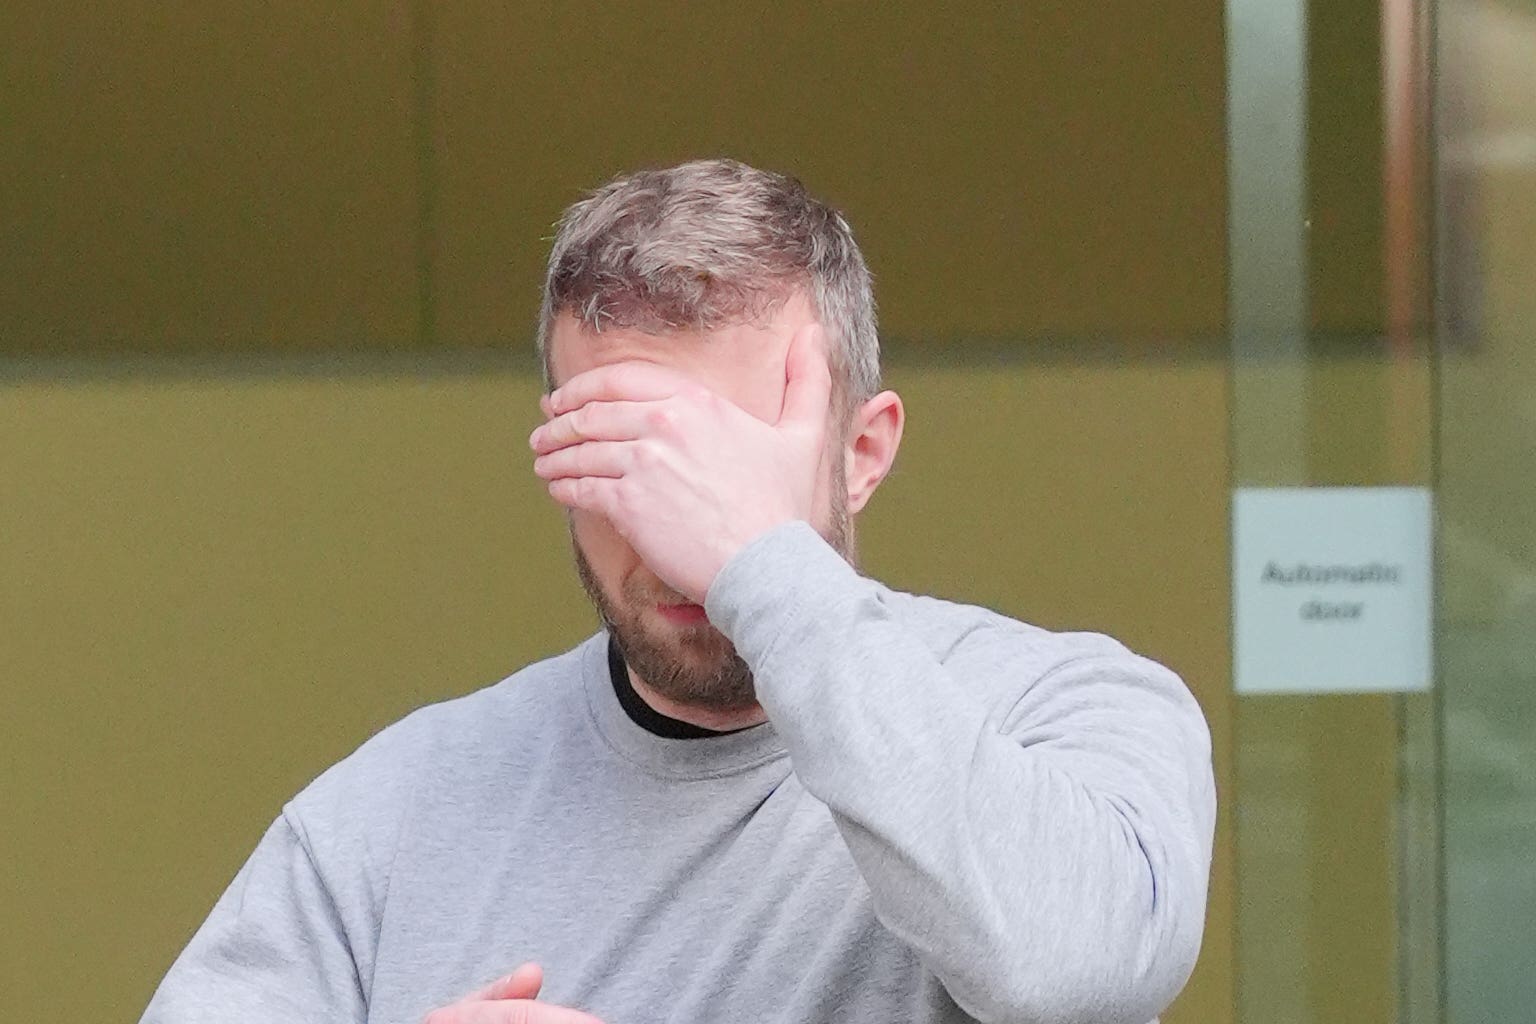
x,y
780,577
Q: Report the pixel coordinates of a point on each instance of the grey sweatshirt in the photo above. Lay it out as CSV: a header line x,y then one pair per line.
x,y
951,816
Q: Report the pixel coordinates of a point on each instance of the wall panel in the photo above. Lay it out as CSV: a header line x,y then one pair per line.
x,y
216,586
207,177
1012,170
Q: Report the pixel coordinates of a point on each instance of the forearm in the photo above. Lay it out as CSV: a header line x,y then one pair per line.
x,y
1040,855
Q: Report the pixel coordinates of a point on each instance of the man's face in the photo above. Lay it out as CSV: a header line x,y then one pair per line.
x,y
665,639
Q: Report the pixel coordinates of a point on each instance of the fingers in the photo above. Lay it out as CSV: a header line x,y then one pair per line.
x,y
592,458
519,1011
630,380
808,379
588,493
510,1000
523,983
600,421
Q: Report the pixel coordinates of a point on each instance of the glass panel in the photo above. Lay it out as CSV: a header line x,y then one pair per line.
x,y
1336,837
1487,487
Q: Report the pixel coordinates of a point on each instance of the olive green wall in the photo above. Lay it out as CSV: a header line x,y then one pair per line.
x,y
379,173
217,585
221,574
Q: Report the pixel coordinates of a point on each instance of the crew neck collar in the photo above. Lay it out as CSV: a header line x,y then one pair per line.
x,y
695,757
641,713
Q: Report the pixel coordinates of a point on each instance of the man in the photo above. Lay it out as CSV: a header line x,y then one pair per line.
x,y
772,790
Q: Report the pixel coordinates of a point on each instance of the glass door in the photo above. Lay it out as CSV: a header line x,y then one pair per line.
x,y
1332,456
1382,297
1486,482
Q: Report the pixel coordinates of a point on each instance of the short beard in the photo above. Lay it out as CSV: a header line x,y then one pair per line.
x,y
696,666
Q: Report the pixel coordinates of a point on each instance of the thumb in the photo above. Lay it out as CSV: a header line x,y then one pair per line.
x,y
807,378
523,983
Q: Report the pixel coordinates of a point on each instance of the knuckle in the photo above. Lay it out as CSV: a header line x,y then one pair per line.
x,y
592,494
645,455
662,419
626,496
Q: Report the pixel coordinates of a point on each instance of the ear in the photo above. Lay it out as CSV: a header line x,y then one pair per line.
x,y
874,434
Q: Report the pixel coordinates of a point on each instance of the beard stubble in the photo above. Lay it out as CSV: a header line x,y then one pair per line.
x,y
694,665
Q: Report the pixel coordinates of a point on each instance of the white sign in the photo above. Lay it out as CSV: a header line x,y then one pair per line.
x,y
1331,589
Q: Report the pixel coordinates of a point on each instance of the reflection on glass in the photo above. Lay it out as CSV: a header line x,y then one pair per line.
x,y
1487,485
1337,837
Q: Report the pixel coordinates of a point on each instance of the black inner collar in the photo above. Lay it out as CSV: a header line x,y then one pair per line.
x,y
641,713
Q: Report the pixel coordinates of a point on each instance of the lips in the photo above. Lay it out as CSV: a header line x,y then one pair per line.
x,y
682,614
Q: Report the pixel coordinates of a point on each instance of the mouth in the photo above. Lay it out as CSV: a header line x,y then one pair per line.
x,y
682,614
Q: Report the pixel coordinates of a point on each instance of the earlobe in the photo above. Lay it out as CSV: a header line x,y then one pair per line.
x,y
873,439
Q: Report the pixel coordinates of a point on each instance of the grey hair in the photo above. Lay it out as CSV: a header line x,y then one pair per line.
x,y
709,244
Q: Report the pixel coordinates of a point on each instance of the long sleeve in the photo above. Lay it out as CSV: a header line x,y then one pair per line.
x,y
273,949
1032,813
